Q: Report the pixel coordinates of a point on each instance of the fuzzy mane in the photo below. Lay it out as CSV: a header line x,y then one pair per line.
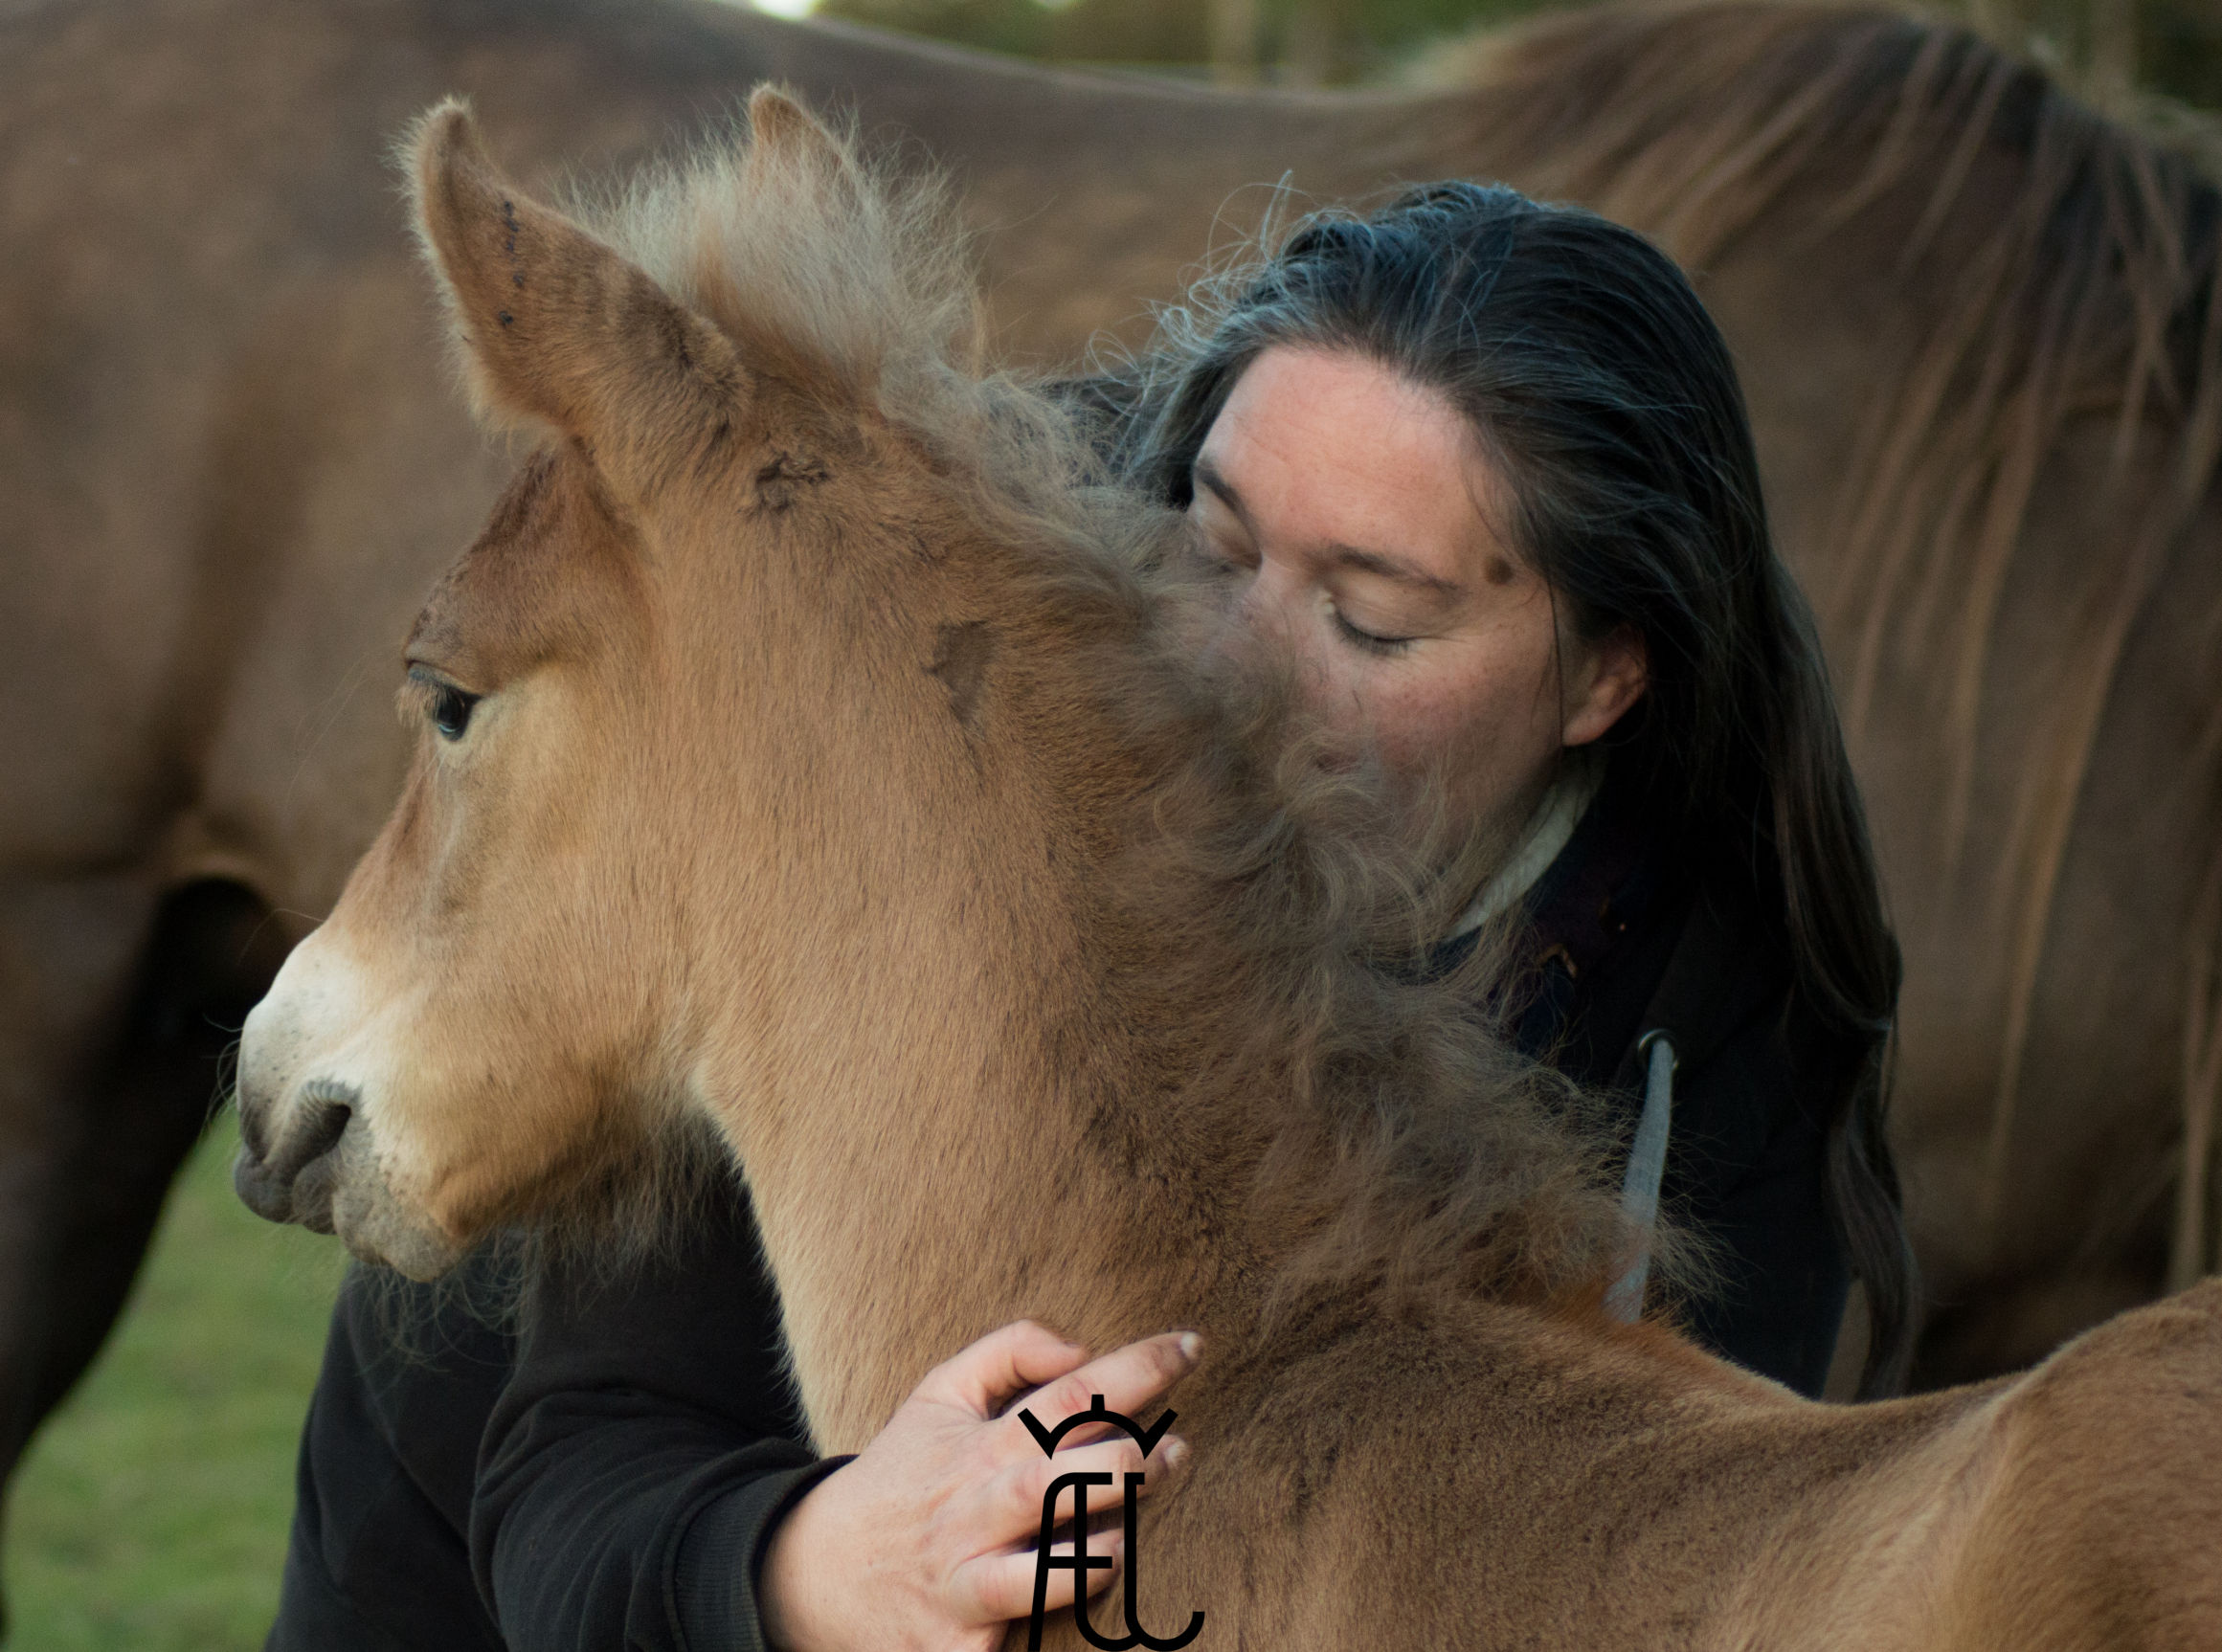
x,y
2077,269
1244,901
850,277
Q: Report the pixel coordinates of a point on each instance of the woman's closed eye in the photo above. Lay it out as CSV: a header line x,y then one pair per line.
x,y
1368,641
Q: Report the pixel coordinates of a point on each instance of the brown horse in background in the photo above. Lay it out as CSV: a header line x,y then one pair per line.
x,y
1974,321
806,749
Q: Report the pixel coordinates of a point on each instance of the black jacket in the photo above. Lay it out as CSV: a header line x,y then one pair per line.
x,y
603,1477
607,1477
1627,937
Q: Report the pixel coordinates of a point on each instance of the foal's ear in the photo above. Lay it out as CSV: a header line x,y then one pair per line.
x,y
779,123
557,327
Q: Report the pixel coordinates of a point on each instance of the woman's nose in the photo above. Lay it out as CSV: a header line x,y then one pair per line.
x,y
1249,626
1267,622
1264,609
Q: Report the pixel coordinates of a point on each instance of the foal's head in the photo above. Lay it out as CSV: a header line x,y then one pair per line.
x,y
736,600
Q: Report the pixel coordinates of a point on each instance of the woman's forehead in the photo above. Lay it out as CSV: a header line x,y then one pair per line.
x,y
1322,450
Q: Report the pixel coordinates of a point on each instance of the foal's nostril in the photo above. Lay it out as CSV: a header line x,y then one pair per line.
x,y
325,1109
268,1181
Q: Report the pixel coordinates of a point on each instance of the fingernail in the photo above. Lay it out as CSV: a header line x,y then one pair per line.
x,y
1175,1451
1191,1345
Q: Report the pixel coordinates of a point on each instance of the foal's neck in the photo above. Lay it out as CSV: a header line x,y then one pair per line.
x,y
951,1142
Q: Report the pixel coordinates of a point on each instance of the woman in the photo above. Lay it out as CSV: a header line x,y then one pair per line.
x,y
1481,468
1565,591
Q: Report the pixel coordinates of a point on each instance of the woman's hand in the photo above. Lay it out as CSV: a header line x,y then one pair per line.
x,y
918,1543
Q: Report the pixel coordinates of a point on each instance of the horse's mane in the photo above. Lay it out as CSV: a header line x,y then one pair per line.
x,y
1245,899
2069,267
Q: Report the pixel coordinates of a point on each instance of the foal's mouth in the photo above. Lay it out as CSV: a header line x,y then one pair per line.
x,y
295,1183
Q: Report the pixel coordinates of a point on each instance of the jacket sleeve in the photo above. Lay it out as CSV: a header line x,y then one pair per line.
x,y
640,1454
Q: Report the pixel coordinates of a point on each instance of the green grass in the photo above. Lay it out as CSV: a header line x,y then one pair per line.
x,y
151,1514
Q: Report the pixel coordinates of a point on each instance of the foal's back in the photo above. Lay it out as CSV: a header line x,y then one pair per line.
x,y
1500,1476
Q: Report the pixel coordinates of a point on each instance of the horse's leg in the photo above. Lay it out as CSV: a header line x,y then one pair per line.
x,y
112,1009
68,947
213,951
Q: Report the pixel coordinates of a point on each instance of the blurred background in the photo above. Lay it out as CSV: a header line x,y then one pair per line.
x,y
2168,50
151,1512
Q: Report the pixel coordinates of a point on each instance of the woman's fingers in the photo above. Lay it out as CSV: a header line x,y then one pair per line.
x,y
1129,1379
1000,1587
944,1503
1021,1488
1005,1362
1025,1356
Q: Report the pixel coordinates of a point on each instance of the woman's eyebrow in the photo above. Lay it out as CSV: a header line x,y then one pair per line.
x,y
1204,474
1375,563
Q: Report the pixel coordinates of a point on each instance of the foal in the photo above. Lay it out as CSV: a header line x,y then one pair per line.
x,y
802,750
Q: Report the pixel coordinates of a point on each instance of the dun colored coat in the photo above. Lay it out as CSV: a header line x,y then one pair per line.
x,y
1975,322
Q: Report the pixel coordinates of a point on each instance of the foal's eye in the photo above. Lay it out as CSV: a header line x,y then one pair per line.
x,y
451,711
450,707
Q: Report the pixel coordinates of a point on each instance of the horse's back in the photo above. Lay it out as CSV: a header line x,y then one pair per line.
x,y
1627,1488
1485,1475
2100,1520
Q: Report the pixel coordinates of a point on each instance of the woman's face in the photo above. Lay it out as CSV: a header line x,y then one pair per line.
x,y
1352,511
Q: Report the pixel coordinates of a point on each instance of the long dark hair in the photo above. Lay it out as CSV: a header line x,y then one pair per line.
x,y
1591,374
